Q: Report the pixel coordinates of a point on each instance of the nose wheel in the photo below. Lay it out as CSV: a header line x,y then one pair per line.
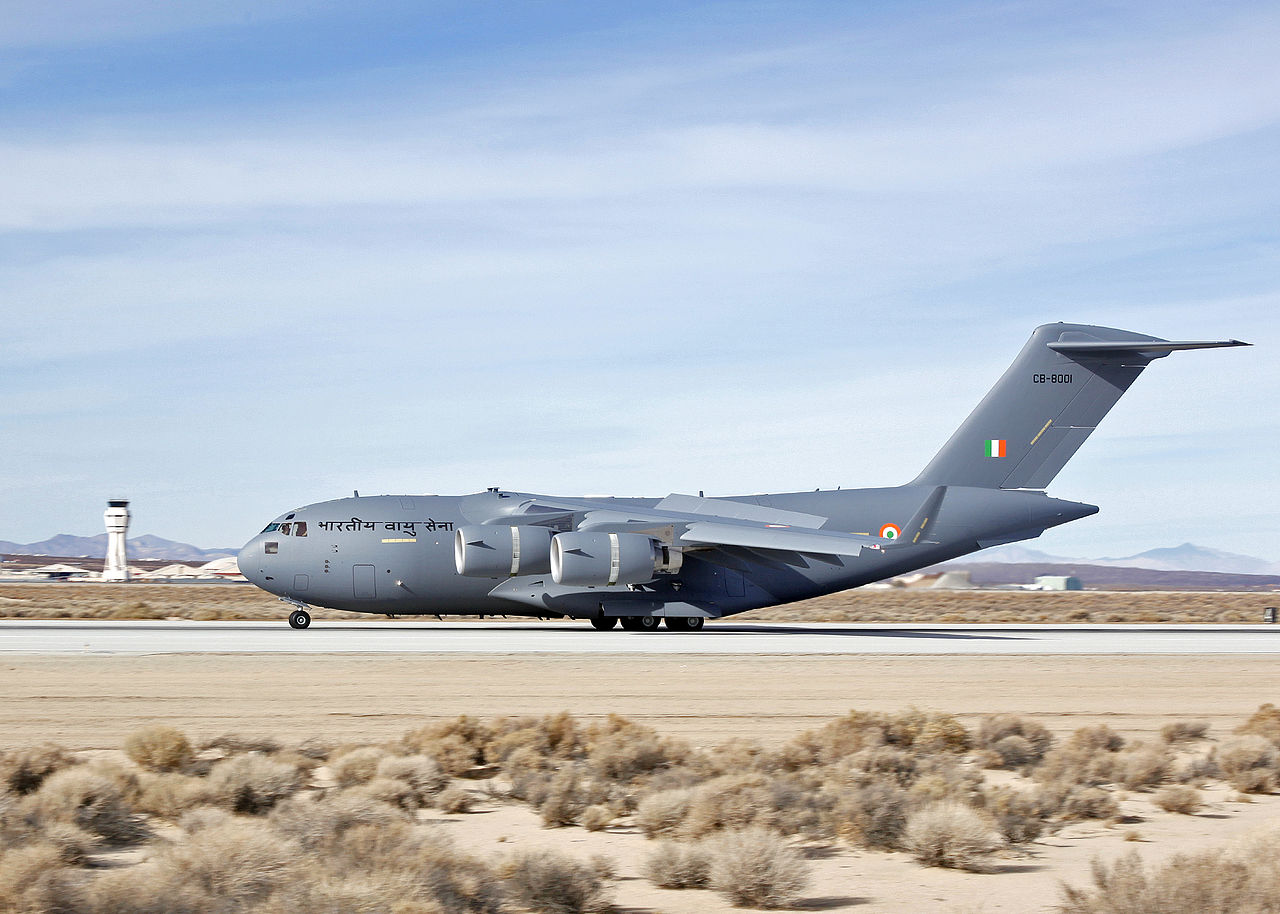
x,y
299,618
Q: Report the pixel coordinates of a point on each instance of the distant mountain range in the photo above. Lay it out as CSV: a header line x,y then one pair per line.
x,y
1187,557
140,547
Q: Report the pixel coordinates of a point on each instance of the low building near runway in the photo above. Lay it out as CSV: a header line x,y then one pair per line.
x,y
1058,582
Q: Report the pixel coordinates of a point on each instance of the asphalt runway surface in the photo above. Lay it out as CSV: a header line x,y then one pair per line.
x,y
534,637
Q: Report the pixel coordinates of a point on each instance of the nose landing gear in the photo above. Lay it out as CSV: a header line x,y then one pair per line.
x,y
299,618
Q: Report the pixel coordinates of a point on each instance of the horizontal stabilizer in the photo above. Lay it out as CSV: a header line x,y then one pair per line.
x,y
1078,347
786,539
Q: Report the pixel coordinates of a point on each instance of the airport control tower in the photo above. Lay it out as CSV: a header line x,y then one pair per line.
x,y
117,518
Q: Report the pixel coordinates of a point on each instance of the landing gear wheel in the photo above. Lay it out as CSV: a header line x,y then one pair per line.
x,y
647,623
604,623
299,618
685,623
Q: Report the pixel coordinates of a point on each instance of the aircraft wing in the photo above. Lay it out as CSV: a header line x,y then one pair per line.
x,y
781,539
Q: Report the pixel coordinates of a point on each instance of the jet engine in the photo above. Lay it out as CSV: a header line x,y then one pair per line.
x,y
501,551
591,559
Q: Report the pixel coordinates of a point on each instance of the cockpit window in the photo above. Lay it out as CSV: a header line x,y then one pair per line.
x,y
300,528
271,528
286,529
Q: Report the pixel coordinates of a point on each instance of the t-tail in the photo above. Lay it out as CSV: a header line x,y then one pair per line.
x,y
1065,379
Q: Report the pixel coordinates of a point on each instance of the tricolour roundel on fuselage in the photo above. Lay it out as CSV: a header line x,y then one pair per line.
x,y
890,531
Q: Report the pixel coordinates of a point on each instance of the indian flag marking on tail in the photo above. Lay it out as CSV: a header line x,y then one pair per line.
x,y
890,531
995,447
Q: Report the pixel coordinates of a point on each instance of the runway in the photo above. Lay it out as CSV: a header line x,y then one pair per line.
x,y
534,637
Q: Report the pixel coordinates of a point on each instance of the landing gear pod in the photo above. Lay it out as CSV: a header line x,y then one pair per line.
x,y
499,551
601,559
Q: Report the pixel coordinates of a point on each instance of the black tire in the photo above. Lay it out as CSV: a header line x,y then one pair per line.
x,y
604,623
647,623
631,623
685,623
299,618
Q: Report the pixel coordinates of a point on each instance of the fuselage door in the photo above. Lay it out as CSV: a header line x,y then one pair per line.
x,y
362,578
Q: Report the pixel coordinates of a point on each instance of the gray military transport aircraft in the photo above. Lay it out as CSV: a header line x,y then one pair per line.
x,y
684,559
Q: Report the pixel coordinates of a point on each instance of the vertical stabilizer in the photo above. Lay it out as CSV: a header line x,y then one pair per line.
x,y
1065,379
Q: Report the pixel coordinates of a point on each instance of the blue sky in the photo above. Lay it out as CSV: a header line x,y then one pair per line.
x,y
254,255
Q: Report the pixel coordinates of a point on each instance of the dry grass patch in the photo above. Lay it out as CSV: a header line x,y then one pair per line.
x,y
756,868
251,784
550,882
952,835
1179,799
678,866
158,747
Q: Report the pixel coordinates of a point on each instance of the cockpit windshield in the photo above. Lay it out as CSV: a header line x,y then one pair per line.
x,y
271,528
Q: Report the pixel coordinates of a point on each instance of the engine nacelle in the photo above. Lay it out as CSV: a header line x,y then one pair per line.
x,y
501,551
593,559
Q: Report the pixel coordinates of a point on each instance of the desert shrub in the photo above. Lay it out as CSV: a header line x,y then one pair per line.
x,y
915,730
563,801
202,817
357,766
1248,763
551,882
886,762
729,802
1139,767
1031,740
1187,884
251,784
553,737
24,770
678,866
1264,722
455,800
223,867
34,880
411,868
873,815
663,813
315,822
597,817
456,745
389,790
622,750
169,794
951,835
1181,731
420,772
314,748
1097,738
1086,803
1088,757
756,868
1180,799
88,799
1018,814
158,747
941,777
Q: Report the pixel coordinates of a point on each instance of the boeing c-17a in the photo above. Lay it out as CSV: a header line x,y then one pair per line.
x,y
683,559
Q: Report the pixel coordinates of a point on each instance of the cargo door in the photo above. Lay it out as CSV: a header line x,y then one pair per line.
x,y
363,577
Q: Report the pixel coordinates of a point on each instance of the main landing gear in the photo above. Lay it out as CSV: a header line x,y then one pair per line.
x,y
649,623
299,618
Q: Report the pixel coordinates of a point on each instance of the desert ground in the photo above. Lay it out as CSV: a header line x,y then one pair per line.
x,y
238,601
91,704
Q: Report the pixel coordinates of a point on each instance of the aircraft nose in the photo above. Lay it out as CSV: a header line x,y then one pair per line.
x,y
249,560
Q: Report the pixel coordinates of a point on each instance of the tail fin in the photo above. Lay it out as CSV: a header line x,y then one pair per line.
x,y
1042,409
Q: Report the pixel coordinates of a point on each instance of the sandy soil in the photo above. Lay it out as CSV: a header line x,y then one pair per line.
x,y
93,702
231,601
